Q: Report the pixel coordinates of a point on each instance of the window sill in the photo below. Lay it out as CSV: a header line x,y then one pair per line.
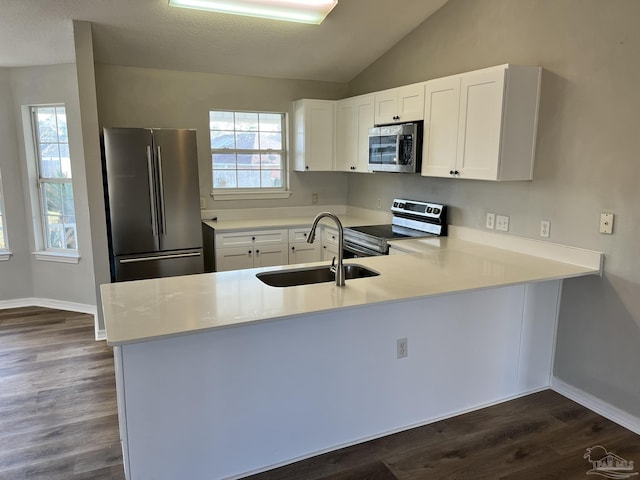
x,y
5,255
60,257
251,195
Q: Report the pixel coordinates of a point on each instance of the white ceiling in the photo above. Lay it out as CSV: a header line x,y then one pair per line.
x,y
150,33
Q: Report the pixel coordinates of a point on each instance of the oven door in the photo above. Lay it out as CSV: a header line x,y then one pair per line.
x,y
352,250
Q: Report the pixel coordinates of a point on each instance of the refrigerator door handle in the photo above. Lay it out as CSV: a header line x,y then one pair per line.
x,y
152,193
163,218
160,257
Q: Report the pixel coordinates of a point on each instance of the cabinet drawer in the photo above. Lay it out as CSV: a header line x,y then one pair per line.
x,y
329,236
249,238
299,235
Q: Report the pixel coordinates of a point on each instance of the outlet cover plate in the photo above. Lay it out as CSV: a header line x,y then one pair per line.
x,y
502,223
491,221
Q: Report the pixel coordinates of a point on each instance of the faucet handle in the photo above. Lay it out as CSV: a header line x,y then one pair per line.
x,y
333,265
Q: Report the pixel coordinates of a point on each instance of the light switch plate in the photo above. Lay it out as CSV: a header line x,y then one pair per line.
x,y
606,223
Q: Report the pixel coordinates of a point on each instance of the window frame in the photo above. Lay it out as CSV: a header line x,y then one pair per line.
x,y
249,193
43,250
5,252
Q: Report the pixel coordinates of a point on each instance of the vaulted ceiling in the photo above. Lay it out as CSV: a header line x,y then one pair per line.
x,y
150,33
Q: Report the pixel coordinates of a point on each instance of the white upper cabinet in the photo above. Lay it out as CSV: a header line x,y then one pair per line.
x,y
314,127
354,118
400,105
482,125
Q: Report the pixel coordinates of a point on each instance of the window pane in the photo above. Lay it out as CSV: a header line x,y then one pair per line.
x,y
65,160
222,139
270,122
246,161
220,120
270,140
61,118
50,160
247,141
55,232
224,179
271,160
271,178
248,178
246,121
68,208
224,160
70,236
52,201
47,124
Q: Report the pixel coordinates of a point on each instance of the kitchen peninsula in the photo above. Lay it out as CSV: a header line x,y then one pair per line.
x,y
219,375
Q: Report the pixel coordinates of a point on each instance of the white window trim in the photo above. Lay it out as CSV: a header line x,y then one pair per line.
x,y
251,195
55,256
5,255
260,193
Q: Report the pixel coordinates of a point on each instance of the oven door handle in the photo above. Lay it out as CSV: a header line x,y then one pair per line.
x,y
362,251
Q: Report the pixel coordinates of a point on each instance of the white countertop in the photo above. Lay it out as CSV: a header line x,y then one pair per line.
x,y
158,308
347,220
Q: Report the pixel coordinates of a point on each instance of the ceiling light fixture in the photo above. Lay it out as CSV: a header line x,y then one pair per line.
x,y
302,11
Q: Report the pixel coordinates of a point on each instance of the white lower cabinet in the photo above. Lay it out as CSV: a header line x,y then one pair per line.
x,y
251,248
299,250
329,243
264,248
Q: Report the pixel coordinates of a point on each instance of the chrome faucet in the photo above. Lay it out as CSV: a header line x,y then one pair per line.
x,y
339,269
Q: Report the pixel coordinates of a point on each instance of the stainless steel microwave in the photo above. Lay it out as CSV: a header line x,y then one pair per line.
x,y
395,148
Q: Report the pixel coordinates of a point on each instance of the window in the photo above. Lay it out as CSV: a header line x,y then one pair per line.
x,y
53,168
248,152
4,242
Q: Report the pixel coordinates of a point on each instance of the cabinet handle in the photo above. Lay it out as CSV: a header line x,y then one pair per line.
x,y
249,252
257,252
456,172
306,167
253,239
451,172
293,248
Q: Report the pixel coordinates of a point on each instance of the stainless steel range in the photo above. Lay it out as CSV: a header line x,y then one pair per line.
x,y
410,219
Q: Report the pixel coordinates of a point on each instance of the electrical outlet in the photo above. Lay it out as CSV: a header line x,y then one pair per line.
x,y
203,203
502,223
379,203
402,347
545,225
314,198
606,223
491,221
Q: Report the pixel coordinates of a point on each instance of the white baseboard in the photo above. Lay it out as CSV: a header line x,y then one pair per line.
x,y
58,305
599,406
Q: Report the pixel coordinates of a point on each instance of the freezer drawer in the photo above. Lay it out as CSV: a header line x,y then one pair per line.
x,y
155,265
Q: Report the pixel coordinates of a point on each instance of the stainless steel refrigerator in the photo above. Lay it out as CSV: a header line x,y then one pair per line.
x,y
153,203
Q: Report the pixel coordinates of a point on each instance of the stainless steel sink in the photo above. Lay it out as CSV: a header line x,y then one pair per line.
x,y
307,276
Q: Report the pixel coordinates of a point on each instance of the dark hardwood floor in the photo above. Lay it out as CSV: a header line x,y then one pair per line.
x,y
58,415
58,421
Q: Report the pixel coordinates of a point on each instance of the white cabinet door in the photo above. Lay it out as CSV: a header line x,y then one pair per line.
x,y
329,243
304,253
354,118
400,105
481,102
233,258
441,110
314,126
346,135
271,255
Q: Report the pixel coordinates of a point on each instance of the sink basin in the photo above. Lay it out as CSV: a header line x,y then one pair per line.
x,y
307,276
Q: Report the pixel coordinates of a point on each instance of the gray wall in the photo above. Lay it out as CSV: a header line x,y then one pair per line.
x,y
43,85
15,274
586,162
142,97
